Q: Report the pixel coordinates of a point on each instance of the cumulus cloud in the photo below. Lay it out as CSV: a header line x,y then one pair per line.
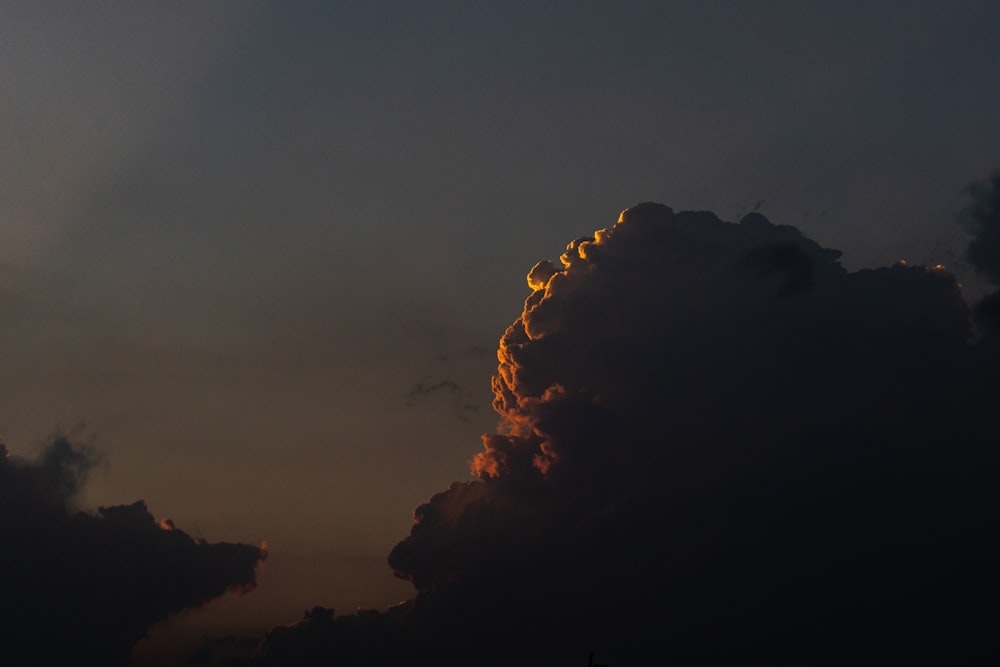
x,y
715,444
83,588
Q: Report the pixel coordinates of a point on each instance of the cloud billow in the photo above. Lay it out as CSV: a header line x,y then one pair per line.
x,y
83,588
981,218
715,444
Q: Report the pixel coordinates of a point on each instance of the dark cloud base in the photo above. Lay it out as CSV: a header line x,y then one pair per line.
x,y
81,588
716,446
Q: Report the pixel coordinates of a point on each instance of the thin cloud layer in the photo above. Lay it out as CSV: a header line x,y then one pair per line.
x,y
715,444
81,588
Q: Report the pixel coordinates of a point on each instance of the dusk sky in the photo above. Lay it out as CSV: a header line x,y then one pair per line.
x,y
259,255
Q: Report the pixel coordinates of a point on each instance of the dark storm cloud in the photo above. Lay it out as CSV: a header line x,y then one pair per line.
x,y
716,444
83,588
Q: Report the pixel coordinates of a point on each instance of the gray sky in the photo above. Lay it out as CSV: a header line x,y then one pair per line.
x,y
244,244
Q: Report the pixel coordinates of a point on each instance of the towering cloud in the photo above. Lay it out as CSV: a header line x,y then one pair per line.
x,y
81,588
715,444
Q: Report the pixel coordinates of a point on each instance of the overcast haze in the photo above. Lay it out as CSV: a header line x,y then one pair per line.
x,y
260,254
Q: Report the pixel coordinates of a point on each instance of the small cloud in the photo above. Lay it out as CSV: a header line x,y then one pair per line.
x,y
442,392
422,389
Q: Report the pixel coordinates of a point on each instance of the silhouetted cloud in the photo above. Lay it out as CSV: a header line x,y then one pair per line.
x,y
982,220
716,444
82,589
422,389
457,400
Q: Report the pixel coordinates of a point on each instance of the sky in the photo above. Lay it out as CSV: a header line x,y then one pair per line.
x,y
258,256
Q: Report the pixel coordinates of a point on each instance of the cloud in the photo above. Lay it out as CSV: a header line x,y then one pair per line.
x,y
448,391
423,389
981,218
83,588
716,444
